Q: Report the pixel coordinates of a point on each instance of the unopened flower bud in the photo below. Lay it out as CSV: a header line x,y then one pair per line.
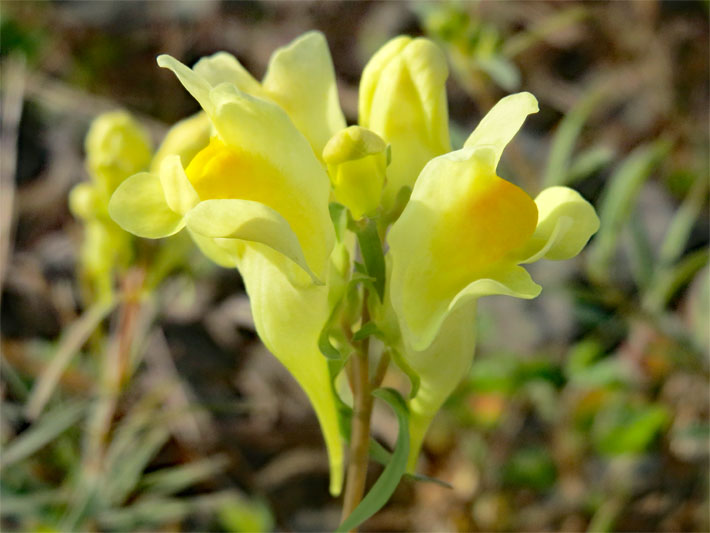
x,y
357,160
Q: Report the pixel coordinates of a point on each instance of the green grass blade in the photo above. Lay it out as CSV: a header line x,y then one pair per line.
x,y
682,223
385,485
617,204
588,162
565,139
640,253
672,279
42,432
70,343
168,481
157,511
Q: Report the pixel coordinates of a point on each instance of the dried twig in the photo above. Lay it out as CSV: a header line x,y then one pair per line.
x,y
13,75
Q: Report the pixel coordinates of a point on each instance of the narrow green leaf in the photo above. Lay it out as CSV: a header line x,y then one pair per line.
x,y
565,139
379,454
640,253
672,279
157,511
339,216
501,70
371,250
385,485
167,481
682,223
70,343
547,26
617,202
588,162
366,331
42,432
29,504
324,344
125,475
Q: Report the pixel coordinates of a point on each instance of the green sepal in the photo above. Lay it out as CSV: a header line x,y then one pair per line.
x,y
345,412
339,216
324,344
400,202
386,484
367,330
371,249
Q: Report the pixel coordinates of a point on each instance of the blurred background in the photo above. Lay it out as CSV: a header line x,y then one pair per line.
x,y
586,409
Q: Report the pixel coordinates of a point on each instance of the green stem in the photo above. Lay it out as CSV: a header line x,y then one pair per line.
x,y
360,429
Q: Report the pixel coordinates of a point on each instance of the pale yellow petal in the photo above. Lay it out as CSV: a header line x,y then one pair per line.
x,y
179,193
566,223
301,79
223,67
403,99
289,320
139,207
195,84
458,229
272,163
185,139
502,122
248,221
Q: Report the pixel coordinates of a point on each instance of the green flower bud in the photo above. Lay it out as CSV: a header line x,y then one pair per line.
x,y
116,148
357,159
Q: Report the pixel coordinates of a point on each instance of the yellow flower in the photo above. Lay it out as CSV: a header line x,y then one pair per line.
x,y
403,99
356,159
185,139
463,235
256,197
300,79
116,147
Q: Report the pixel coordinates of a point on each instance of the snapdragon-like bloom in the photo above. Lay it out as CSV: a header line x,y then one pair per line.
x,y
403,99
252,180
256,198
463,235
116,146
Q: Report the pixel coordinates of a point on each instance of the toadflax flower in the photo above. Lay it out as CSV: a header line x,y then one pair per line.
x,y
116,147
256,198
403,99
463,235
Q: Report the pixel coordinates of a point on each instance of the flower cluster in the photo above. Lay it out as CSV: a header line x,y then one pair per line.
x,y
267,192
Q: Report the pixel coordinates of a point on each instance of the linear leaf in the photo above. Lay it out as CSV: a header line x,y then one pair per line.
x,y
565,139
172,480
682,223
372,255
76,335
42,432
385,485
617,202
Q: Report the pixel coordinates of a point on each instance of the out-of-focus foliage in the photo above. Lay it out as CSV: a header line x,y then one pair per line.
x,y
585,410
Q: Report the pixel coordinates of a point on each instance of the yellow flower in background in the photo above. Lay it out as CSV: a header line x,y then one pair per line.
x,y
463,235
117,146
256,197
403,99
